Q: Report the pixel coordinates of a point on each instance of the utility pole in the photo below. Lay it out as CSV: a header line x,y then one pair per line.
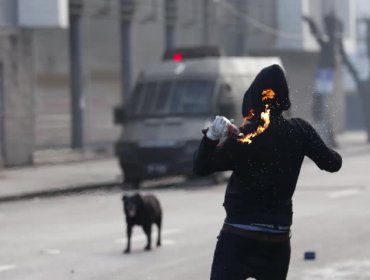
x,y
241,27
2,113
205,24
324,80
170,14
127,8
77,100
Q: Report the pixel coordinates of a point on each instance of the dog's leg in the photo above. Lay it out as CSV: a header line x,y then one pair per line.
x,y
148,231
159,226
129,232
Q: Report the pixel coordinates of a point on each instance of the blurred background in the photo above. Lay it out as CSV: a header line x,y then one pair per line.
x,y
65,65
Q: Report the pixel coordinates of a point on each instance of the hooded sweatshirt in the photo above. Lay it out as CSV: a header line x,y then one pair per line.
x,y
271,77
266,169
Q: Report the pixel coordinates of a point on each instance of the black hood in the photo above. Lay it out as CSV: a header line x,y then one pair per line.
x,y
271,77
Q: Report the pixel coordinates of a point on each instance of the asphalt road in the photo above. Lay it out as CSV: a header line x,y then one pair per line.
x,y
83,236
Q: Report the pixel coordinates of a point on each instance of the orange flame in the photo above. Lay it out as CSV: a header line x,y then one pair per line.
x,y
268,94
250,115
265,117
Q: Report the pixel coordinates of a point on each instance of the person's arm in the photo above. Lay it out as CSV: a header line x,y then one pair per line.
x,y
212,156
315,148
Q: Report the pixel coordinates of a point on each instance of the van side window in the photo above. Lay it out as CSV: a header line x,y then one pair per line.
x,y
192,97
169,97
163,97
149,93
136,99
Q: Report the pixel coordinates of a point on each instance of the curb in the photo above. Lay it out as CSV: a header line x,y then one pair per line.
x,y
60,191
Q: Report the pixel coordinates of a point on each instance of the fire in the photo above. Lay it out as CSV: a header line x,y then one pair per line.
x,y
250,115
268,94
265,117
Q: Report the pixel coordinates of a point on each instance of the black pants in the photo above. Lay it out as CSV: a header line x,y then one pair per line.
x,y
238,257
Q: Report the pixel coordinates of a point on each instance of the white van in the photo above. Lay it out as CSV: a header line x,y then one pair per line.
x,y
170,104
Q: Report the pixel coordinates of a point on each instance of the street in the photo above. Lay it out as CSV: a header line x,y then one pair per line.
x,y
82,236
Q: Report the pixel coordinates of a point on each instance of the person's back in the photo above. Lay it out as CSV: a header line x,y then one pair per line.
x,y
265,173
266,156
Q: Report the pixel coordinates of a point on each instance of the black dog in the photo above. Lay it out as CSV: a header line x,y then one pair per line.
x,y
142,210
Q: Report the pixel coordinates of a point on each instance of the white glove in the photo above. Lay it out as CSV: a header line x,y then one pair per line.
x,y
218,128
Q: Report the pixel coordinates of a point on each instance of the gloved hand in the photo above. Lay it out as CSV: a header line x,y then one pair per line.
x,y
218,128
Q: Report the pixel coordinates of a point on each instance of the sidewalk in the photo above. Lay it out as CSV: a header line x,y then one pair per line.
x,y
94,173
25,182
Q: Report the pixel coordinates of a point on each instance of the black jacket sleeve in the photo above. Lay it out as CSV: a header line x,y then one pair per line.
x,y
211,157
315,148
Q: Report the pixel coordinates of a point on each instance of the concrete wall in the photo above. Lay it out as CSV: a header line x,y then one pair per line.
x,y
52,98
100,79
18,126
2,107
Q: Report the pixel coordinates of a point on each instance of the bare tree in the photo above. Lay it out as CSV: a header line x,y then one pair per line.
x,y
328,57
363,85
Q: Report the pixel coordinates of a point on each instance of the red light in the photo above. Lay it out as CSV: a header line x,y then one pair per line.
x,y
177,57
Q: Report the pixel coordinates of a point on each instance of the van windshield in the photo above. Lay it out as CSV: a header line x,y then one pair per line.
x,y
169,97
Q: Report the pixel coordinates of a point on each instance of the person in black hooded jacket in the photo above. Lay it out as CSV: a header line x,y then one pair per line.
x,y
265,156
